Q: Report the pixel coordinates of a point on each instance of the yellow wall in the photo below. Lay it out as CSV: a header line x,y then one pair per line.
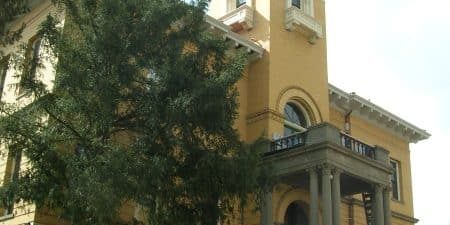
x,y
284,195
294,62
398,149
292,68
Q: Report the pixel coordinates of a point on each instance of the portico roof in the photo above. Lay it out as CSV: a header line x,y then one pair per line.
x,y
375,114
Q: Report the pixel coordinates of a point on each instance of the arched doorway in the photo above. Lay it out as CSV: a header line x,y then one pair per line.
x,y
295,215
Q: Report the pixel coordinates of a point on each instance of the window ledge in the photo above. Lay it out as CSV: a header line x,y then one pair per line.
x,y
6,217
239,19
397,201
23,95
297,19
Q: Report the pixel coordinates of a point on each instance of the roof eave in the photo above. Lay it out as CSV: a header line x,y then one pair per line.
x,y
253,49
374,113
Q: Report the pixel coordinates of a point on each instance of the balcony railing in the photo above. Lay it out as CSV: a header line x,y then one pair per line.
x,y
326,133
357,146
295,140
325,144
345,140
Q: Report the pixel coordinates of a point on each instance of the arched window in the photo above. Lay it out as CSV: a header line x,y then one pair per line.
x,y
295,215
295,119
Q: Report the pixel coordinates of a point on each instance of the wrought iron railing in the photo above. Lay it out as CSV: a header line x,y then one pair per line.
x,y
291,141
299,139
357,146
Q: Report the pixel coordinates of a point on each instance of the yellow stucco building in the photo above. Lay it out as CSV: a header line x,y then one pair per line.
x,y
339,159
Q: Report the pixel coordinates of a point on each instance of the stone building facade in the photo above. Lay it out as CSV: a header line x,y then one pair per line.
x,y
339,158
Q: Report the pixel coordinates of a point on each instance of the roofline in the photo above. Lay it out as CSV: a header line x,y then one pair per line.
x,y
344,100
228,34
371,111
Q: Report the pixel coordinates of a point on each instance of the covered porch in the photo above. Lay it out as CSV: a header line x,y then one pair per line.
x,y
329,164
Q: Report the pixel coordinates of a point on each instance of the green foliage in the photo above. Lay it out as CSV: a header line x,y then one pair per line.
x,y
9,10
142,110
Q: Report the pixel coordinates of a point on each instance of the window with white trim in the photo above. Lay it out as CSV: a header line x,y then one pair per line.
x,y
32,57
306,6
296,3
296,119
395,180
3,69
234,4
240,2
11,174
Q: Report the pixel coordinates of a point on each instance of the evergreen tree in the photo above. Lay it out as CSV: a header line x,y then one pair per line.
x,y
9,11
142,111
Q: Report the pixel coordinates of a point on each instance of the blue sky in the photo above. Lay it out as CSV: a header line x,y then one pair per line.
x,y
397,54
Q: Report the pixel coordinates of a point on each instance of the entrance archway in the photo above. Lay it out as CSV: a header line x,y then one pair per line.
x,y
295,215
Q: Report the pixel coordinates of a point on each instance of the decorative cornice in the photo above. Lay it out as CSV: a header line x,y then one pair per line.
x,y
306,24
242,16
228,34
375,114
264,114
404,217
312,109
282,155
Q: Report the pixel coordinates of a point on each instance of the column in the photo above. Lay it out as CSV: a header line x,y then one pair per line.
x,y
314,197
379,217
336,196
387,206
326,196
266,212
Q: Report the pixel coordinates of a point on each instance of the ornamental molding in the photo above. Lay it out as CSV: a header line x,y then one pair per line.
x,y
297,19
290,195
368,111
264,114
404,217
253,48
239,19
304,98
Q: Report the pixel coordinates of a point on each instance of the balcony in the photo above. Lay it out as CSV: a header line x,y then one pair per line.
x,y
361,164
357,146
297,19
239,19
